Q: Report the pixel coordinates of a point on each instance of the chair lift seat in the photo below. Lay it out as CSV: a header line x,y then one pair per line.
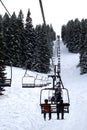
x,y
54,108
7,83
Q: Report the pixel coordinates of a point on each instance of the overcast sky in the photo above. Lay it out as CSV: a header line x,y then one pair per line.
x,y
57,12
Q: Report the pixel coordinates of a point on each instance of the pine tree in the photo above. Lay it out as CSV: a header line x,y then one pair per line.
x,y
63,33
52,33
83,57
37,59
6,37
30,40
51,36
2,66
76,36
21,36
83,25
45,36
71,35
44,51
14,41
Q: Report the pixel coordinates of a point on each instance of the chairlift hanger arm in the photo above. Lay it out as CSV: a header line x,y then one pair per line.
x,y
42,11
5,8
67,94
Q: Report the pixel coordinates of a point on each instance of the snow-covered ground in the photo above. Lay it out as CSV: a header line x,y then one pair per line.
x,y
20,110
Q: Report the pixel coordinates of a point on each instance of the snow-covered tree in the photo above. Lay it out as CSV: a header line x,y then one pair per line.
x,y
83,57
14,41
63,33
77,36
6,37
43,49
44,35
22,38
71,35
29,41
2,66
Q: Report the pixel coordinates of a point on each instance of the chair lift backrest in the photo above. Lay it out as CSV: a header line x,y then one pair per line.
x,y
8,80
28,81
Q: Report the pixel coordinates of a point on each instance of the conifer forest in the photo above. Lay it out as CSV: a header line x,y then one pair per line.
x,y
23,45
74,36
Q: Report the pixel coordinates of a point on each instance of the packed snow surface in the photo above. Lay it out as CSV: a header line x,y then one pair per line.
x,y
20,109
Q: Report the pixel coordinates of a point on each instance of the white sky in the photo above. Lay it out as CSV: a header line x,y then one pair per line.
x,y
57,12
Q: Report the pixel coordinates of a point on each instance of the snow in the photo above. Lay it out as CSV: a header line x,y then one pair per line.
x,y
20,109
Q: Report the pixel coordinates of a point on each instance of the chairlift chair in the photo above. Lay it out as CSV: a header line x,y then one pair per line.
x,y
8,79
29,81
47,94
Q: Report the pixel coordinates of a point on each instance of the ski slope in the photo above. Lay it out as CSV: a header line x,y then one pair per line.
x,y
19,107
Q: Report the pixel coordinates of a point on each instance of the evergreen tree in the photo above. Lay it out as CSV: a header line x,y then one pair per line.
x,y
30,41
44,51
21,36
1,35
76,36
37,59
63,33
2,66
83,33
51,36
6,37
24,45
14,41
83,57
45,36
67,34
71,35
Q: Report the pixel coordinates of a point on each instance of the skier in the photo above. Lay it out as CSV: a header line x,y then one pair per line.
x,y
60,109
47,109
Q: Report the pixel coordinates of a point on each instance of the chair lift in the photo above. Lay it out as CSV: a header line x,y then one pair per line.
x,y
48,93
58,91
7,81
57,85
29,81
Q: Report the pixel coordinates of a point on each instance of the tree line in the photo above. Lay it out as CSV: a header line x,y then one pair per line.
x,y
74,36
24,45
